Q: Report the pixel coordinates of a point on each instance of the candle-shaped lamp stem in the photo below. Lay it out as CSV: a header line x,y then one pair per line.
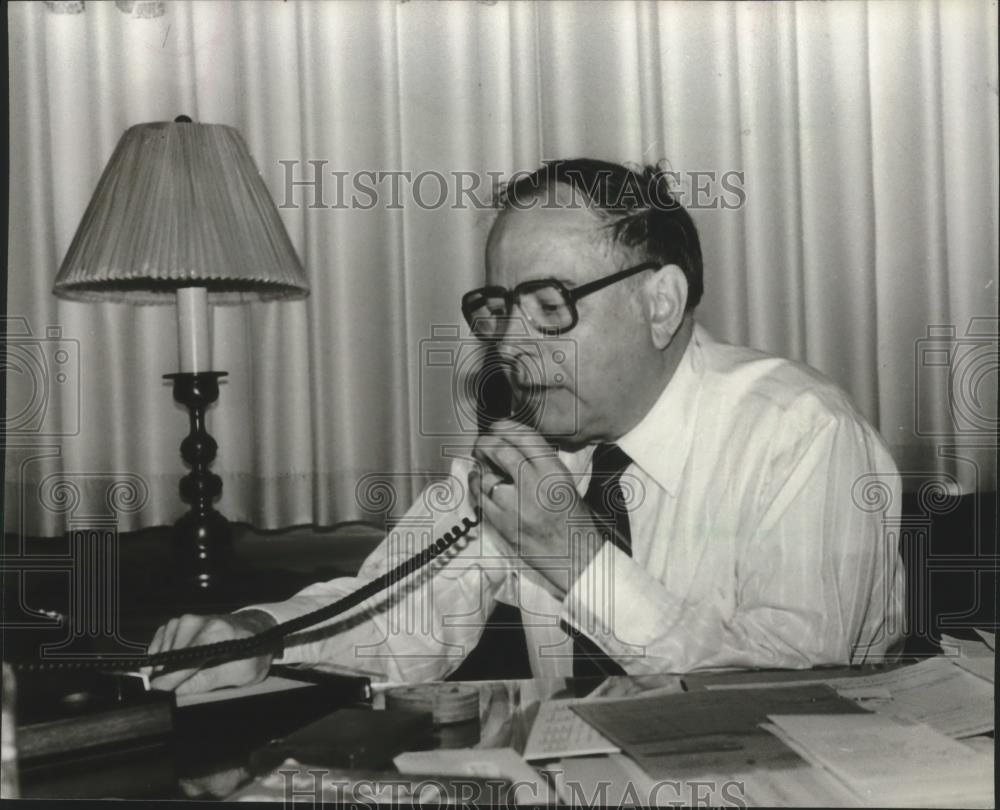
x,y
201,536
194,334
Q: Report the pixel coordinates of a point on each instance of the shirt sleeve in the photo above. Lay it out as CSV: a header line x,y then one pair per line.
x,y
423,627
818,576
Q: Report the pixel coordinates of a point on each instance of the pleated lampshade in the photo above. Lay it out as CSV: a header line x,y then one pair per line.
x,y
181,205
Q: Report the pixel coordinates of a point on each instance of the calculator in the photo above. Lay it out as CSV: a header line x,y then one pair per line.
x,y
559,732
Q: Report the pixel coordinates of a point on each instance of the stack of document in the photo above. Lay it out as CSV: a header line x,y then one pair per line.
x,y
947,697
952,693
977,657
815,744
888,763
696,733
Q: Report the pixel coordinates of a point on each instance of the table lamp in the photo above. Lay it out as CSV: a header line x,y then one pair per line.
x,y
182,215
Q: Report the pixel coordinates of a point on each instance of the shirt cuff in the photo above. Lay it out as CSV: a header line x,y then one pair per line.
x,y
621,608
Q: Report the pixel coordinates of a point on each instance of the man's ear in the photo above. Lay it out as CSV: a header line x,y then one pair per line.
x,y
666,293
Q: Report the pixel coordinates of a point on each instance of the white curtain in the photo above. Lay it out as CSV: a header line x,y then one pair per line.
x,y
865,135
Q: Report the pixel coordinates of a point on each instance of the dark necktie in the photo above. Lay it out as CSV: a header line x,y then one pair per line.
x,y
605,499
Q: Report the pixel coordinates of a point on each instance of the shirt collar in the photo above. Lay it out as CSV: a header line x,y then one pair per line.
x,y
661,442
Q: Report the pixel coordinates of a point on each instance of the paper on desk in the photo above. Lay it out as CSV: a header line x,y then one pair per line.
x,y
936,691
811,786
484,763
965,648
272,683
989,638
142,675
886,762
601,780
976,657
981,744
617,781
985,668
697,733
557,733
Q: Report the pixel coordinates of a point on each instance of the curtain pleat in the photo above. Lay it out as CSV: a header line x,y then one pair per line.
x,y
858,233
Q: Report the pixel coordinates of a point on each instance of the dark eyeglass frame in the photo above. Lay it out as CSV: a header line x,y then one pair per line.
x,y
570,295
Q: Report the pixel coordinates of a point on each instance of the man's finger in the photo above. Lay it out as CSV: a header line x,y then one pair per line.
x,y
202,680
499,519
179,631
531,446
189,631
474,489
167,638
502,459
156,643
171,680
503,495
169,631
499,507
481,485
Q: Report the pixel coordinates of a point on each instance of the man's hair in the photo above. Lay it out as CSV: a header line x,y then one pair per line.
x,y
642,212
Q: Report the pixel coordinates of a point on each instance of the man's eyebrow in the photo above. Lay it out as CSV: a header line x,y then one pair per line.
x,y
566,282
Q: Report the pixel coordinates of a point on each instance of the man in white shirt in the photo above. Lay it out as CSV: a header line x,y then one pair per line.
x,y
665,503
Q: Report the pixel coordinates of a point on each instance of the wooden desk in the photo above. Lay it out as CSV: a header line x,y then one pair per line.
x,y
207,753
206,758
38,607
206,749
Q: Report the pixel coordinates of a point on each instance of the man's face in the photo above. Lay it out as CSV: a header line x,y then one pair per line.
x,y
579,396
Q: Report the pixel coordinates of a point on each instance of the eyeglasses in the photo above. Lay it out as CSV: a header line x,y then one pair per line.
x,y
548,305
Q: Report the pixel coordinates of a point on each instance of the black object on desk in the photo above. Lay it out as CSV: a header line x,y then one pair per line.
x,y
174,745
350,738
71,715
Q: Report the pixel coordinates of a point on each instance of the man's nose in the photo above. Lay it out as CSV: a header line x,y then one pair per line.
x,y
516,337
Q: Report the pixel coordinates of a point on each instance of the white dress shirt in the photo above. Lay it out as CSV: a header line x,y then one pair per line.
x,y
764,514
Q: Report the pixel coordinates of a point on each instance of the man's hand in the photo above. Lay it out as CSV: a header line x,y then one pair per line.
x,y
192,631
529,497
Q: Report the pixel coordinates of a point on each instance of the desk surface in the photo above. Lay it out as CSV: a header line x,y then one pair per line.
x,y
208,754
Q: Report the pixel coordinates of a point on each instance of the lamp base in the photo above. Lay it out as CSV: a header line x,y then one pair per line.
x,y
202,537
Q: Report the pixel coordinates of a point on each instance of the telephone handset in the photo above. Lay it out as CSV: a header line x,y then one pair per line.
x,y
494,398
